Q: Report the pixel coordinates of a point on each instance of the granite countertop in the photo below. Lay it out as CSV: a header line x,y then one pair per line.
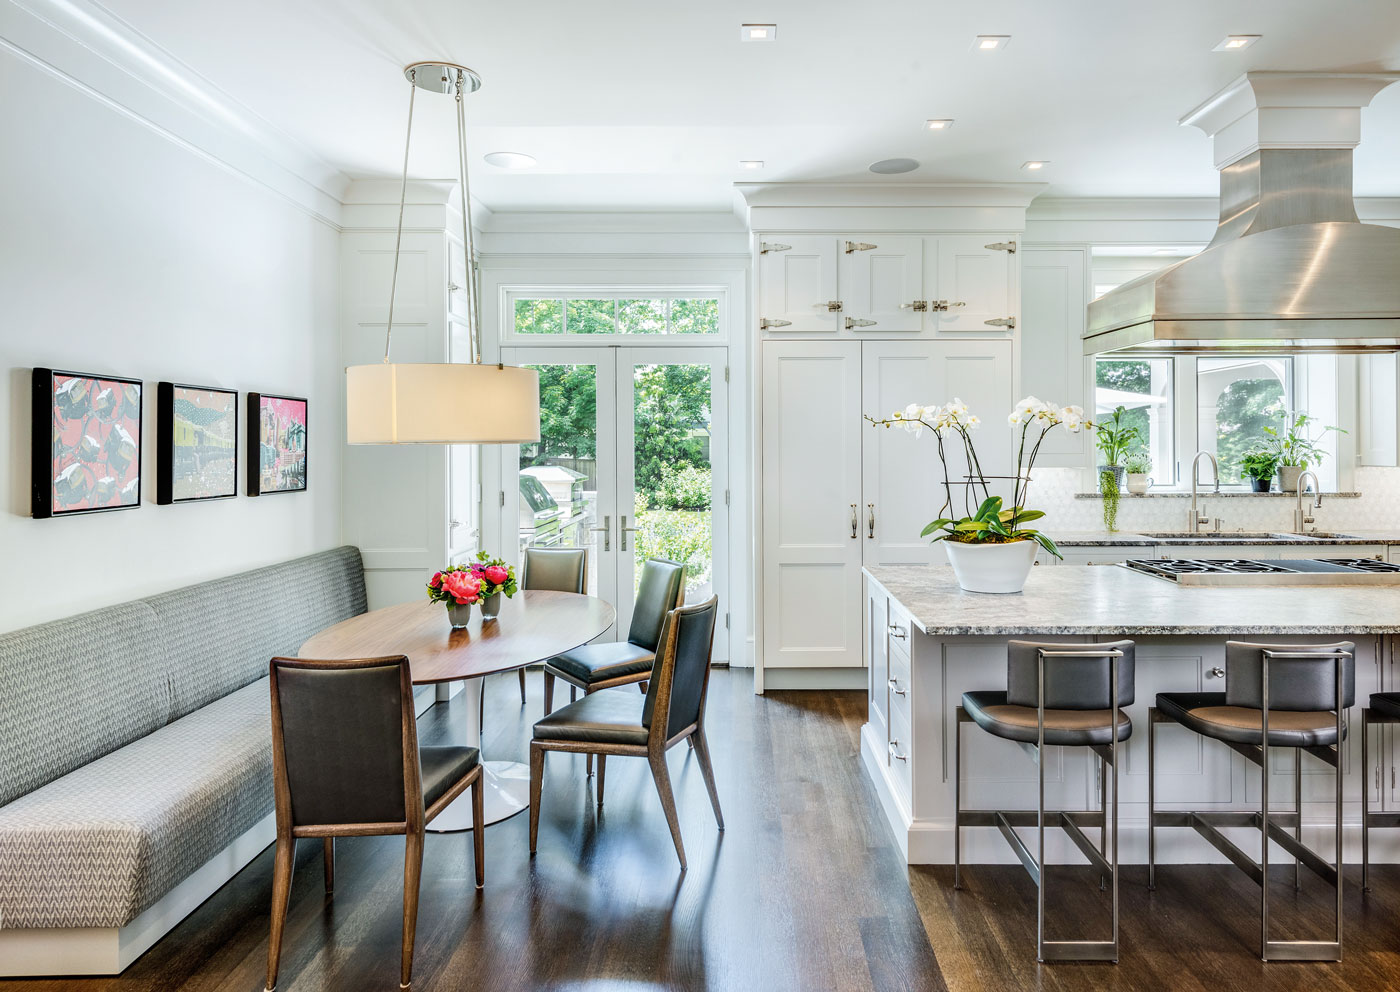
x,y
1126,539
1115,601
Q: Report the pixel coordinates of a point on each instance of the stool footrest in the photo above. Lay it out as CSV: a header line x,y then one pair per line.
x,y
1207,823
1227,847
1382,819
1079,950
1303,950
1019,846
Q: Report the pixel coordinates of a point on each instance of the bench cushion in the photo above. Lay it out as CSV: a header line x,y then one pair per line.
x,y
99,845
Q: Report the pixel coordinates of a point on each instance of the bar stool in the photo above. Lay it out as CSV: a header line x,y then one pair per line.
x,y
1276,695
1066,695
1384,708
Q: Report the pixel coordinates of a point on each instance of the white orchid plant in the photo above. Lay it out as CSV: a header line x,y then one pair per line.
x,y
989,523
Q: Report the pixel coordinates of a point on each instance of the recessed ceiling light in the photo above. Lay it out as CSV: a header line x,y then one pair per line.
x,y
758,32
750,163
510,160
894,166
938,125
1236,42
990,42
1034,164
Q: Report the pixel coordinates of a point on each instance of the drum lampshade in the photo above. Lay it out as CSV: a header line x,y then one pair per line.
x,y
457,403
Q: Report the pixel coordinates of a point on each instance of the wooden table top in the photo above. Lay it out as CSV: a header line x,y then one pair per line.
x,y
533,626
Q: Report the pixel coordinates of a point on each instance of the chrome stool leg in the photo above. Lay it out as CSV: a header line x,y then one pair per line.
x,y
1152,797
1366,799
959,719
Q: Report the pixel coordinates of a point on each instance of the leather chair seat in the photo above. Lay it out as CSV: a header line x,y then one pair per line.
x,y
605,717
602,662
1208,715
1069,728
443,767
1382,703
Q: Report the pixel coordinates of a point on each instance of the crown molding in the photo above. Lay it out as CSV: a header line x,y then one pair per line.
x,y
888,194
82,44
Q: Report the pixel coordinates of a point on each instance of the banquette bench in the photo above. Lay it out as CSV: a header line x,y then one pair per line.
x,y
136,758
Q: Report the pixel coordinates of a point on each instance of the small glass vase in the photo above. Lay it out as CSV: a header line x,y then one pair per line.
x,y
491,607
459,614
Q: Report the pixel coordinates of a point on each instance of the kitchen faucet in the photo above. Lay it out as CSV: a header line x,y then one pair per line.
x,y
1301,518
1196,519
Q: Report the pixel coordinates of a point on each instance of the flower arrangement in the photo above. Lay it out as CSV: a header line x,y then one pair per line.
x,y
988,523
475,582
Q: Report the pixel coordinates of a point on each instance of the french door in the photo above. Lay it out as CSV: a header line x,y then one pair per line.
x,y
632,463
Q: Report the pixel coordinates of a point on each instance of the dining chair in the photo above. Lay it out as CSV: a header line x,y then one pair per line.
x,y
553,570
346,763
605,723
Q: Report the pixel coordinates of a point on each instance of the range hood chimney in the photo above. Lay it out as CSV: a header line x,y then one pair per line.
x,y
1290,270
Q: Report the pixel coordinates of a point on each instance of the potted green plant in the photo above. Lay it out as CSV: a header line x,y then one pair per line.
x,y
1113,438
1138,465
990,548
1296,447
1259,466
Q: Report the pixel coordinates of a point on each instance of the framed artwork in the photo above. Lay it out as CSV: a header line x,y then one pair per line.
x,y
86,454
196,443
276,444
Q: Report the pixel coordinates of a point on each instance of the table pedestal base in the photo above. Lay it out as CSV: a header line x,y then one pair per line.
x,y
507,792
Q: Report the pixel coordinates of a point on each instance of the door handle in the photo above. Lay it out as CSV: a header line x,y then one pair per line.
x,y
607,532
870,508
855,522
623,530
894,752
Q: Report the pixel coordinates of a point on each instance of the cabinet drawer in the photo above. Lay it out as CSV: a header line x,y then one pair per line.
x,y
900,755
901,692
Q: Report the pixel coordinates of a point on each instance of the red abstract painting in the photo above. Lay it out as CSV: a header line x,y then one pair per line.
x,y
93,436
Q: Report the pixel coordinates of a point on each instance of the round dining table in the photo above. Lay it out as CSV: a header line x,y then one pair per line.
x,y
533,626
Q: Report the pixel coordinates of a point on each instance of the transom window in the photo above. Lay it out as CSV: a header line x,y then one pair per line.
x,y
653,314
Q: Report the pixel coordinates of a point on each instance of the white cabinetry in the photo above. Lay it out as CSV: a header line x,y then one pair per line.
x,y
882,279
797,285
976,284
1053,367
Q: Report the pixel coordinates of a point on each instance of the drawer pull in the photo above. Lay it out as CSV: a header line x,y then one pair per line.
x,y
897,631
894,687
894,752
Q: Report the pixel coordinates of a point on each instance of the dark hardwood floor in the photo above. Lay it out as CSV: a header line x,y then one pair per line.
x,y
804,891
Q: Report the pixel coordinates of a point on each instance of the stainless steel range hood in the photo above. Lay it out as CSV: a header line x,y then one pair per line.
x,y
1291,269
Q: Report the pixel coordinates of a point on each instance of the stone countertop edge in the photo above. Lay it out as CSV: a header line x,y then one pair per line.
x,y
1114,601
1128,539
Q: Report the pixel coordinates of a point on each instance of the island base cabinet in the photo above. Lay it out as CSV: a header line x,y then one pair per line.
x,y
1192,772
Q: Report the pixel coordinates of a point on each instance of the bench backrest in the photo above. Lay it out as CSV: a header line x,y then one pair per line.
x,y
75,689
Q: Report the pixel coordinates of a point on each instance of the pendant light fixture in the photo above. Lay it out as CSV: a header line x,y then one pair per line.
x,y
445,402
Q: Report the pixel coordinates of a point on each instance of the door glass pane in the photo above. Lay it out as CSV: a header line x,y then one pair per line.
x,y
1236,399
559,473
671,422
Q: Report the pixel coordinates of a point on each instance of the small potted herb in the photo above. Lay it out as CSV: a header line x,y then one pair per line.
x,y
1297,448
1113,438
1138,465
1259,465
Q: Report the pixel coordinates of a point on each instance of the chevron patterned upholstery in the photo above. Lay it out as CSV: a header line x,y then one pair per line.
x,y
136,738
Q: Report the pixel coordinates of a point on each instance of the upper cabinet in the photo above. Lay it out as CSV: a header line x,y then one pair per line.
x,y
871,285
1054,288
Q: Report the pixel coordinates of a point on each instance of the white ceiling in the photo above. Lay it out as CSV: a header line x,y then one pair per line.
x,y
650,104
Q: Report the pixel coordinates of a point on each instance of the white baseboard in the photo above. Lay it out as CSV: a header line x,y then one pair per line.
x,y
35,952
815,678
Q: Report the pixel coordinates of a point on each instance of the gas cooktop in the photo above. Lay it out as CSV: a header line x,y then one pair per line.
x,y
1177,568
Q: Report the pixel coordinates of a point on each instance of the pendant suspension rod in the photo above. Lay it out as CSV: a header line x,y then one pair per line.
x,y
403,195
468,241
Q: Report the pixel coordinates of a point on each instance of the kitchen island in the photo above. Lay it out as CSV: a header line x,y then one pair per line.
x,y
927,642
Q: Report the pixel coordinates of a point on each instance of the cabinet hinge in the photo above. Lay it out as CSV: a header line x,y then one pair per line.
x,y
764,323
503,497
857,322
764,247
1007,246
859,246
1008,322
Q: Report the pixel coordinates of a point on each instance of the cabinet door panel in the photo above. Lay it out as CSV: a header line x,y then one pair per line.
x,y
877,282
797,283
811,489
979,278
1052,359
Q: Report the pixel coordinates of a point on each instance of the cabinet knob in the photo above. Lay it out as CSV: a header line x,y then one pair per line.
x,y
1216,673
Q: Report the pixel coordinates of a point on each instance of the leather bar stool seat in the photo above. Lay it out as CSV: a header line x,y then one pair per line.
x,y
597,718
1065,728
1208,715
604,662
1386,704
443,767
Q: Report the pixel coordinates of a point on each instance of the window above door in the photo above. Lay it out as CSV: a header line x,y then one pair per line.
x,y
538,317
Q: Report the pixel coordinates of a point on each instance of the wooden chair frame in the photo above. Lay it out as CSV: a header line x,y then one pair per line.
x,y
412,827
657,742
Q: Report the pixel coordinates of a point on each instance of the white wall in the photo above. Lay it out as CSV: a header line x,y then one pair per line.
x,y
124,252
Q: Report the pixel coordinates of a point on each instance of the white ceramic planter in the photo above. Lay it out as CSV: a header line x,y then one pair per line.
x,y
1288,477
999,568
1139,483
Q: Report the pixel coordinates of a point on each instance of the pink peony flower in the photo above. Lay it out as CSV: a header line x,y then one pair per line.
x,y
436,580
462,586
497,575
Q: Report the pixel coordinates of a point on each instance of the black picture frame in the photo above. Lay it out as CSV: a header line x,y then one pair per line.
x,y
165,444
254,474
56,434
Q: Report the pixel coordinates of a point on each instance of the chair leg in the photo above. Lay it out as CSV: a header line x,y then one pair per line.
x,y
1365,800
328,853
412,873
1103,811
548,692
536,784
573,693
702,753
522,686
479,828
1151,798
282,865
602,768
642,686
662,776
